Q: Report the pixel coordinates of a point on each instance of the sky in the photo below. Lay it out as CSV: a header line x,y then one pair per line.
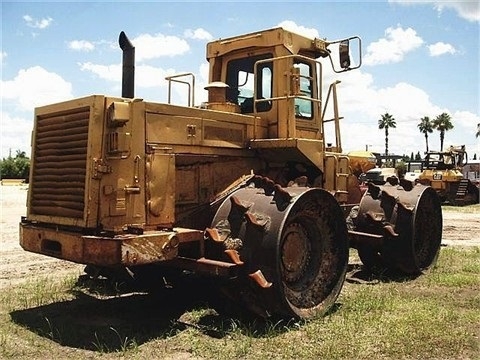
x,y
419,58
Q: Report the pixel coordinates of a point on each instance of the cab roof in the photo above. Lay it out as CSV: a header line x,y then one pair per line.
x,y
293,42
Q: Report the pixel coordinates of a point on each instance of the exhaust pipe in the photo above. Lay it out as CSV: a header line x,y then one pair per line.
x,y
128,73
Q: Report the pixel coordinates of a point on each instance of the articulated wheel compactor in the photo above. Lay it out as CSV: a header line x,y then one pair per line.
x,y
243,189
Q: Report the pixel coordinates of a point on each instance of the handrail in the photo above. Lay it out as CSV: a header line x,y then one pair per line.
x,y
191,86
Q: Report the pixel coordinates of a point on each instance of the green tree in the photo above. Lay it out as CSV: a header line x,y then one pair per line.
x,y
425,126
401,168
387,121
442,123
418,156
17,167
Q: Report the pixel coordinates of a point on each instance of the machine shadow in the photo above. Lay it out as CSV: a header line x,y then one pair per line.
x,y
360,274
106,318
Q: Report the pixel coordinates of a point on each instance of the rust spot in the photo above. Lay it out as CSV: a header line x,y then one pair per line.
x,y
212,234
408,208
389,229
374,216
234,256
237,204
259,278
252,220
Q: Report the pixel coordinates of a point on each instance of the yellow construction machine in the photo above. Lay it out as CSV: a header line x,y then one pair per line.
x,y
244,189
442,170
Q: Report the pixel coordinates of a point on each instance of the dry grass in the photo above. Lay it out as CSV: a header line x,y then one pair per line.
x,y
435,316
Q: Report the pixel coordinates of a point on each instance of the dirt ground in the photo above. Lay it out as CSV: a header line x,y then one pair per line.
x,y
16,265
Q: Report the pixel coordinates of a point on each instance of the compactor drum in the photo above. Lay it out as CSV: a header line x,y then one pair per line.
x,y
245,190
407,222
294,244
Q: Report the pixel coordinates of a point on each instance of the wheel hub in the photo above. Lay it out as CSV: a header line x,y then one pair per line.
x,y
295,250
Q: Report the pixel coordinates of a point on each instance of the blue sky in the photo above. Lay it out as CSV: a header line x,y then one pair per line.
x,y
420,58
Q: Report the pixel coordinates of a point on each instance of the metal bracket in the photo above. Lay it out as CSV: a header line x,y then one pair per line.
x,y
100,167
191,130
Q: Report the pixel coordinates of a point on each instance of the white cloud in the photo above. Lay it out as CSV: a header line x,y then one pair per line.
x,y
393,47
298,29
467,120
106,72
35,86
146,76
38,23
463,133
441,48
469,10
81,45
3,56
198,34
362,105
201,80
151,47
15,134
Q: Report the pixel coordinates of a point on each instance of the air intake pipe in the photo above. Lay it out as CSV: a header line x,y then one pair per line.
x,y
128,72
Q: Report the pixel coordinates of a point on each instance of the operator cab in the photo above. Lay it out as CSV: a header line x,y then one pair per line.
x,y
274,74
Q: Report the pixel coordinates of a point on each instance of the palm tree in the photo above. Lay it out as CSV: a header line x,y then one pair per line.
x,y
442,123
387,121
425,126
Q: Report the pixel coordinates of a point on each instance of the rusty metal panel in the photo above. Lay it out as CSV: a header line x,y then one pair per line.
x,y
104,251
128,249
160,185
187,185
64,245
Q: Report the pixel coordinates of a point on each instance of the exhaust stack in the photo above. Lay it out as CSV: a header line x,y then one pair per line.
x,y
128,73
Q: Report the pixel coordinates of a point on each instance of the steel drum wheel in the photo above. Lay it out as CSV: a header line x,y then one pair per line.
x,y
415,216
313,256
427,230
301,249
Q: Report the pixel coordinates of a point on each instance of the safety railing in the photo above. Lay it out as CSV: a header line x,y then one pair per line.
x,y
190,84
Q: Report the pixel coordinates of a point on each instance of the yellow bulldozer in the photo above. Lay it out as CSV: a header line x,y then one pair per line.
x,y
442,170
244,189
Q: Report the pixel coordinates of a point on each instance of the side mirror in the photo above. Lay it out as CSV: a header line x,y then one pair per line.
x,y
346,63
344,54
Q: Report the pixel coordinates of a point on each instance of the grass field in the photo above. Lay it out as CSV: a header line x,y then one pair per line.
x,y
435,316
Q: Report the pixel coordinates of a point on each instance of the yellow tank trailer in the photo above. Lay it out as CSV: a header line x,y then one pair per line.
x,y
243,189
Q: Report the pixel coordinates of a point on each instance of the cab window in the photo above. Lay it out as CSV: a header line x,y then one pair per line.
x,y
304,107
241,83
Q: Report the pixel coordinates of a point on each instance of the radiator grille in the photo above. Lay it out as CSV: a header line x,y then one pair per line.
x,y
59,173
